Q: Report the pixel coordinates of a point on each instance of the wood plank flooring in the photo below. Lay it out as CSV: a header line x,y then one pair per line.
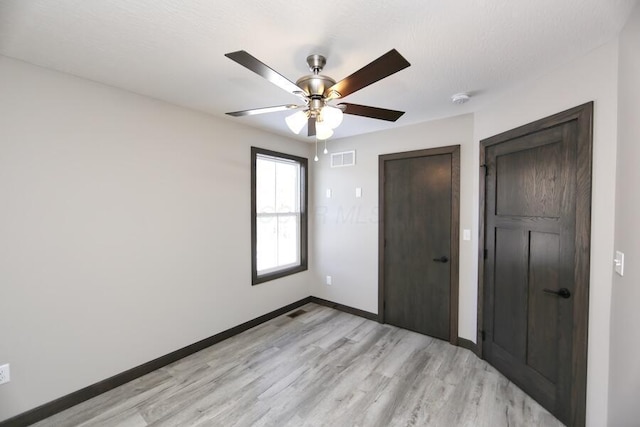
x,y
322,368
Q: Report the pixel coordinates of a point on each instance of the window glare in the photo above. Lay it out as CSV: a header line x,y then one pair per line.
x,y
265,186
278,214
287,179
288,238
267,243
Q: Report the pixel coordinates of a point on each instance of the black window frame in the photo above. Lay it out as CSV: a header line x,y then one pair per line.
x,y
304,178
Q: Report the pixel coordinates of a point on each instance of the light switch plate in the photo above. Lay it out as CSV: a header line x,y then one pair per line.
x,y
5,376
619,263
358,192
466,234
328,193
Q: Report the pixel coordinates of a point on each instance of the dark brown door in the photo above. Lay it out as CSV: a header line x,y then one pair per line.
x,y
419,210
537,201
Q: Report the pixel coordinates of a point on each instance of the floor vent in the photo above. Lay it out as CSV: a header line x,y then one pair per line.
x,y
344,158
296,313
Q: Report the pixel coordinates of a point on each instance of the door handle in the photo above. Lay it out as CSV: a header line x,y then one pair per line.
x,y
562,292
441,259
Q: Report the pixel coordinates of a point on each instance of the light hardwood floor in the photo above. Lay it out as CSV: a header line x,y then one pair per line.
x,y
322,368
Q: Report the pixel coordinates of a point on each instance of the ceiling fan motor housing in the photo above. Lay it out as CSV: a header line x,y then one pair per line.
x,y
315,85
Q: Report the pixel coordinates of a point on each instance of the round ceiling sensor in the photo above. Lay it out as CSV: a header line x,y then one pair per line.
x,y
460,98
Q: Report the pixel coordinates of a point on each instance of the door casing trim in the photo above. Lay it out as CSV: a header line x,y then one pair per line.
x,y
454,150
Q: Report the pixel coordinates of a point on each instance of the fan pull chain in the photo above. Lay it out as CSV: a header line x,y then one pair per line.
x,y
325,147
315,159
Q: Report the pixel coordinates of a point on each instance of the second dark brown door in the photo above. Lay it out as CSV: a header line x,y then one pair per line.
x,y
536,267
418,213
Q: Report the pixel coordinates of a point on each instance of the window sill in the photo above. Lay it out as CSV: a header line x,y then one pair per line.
x,y
256,280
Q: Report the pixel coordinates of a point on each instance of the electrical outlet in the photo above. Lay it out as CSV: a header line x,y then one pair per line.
x,y
4,374
329,280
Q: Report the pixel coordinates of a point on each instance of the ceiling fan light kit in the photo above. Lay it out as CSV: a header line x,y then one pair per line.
x,y
323,130
331,116
317,91
296,121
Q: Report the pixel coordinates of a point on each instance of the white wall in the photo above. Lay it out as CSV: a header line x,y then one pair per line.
x,y
624,394
124,227
345,228
591,78
124,231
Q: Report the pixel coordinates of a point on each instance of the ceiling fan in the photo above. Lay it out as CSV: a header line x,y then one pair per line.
x,y
317,91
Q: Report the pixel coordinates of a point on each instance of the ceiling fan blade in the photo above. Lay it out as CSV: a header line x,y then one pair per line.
x,y
311,127
389,63
264,110
372,112
246,60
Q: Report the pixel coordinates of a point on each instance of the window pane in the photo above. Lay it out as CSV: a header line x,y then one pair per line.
x,y
287,179
267,243
279,240
288,239
265,185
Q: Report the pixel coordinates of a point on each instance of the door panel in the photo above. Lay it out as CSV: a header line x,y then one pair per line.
x,y
525,177
542,334
418,224
524,188
510,294
537,185
419,194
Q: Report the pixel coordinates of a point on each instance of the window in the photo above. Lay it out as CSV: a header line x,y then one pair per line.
x,y
278,215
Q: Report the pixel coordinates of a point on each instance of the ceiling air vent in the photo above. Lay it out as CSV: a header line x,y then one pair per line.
x,y
344,158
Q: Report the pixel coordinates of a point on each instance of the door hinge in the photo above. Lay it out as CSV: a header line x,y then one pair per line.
x,y
483,335
486,169
486,253
385,242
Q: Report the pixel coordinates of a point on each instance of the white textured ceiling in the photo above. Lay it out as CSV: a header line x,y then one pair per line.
x,y
174,49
